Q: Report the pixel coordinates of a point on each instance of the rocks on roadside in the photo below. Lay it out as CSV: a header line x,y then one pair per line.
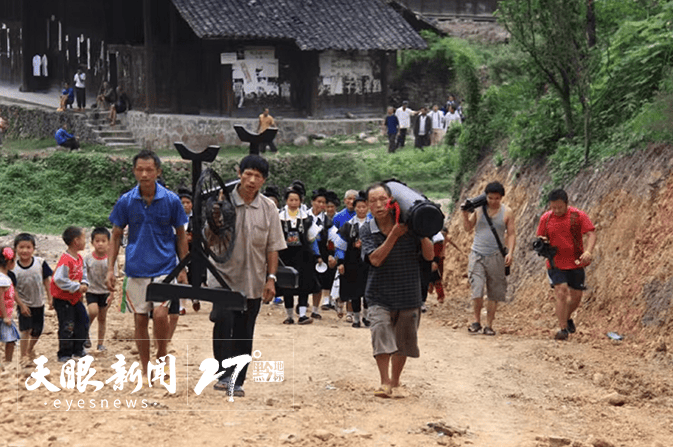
x,y
301,141
288,438
598,379
323,435
615,399
598,442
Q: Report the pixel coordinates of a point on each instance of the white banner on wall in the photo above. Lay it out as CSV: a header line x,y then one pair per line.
x,y
256,74
344,73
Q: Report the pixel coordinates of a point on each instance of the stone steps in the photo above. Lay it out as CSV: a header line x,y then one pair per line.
x,y
116,136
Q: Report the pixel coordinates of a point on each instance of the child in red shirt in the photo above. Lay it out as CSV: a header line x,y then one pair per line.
x,y
68,285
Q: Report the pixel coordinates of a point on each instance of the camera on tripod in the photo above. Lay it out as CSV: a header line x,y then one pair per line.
x,y
545,249
472,204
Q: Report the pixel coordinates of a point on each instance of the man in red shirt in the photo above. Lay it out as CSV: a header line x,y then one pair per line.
x,y
564,227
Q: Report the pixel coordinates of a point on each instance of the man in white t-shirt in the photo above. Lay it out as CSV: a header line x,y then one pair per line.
x,y
452,117
403,114
80,90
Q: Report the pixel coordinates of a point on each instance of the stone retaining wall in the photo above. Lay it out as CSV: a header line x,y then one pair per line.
x,y
26,123
156,131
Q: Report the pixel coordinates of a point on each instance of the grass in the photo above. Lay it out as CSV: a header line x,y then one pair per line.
x,y
46,191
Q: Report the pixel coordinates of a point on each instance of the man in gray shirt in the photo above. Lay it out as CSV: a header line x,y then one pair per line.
x,y
486,268
251,269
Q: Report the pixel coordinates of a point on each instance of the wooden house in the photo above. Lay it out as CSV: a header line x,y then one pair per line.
x,y
319,58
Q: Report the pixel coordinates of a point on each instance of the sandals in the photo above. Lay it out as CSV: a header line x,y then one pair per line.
x,y
474,328
488,331
384,391
339,309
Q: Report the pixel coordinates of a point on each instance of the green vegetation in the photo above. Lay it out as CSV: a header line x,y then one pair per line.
x,y
46,193
607,61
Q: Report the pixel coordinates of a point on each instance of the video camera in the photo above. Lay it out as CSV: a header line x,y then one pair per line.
x,y
545,249
472,204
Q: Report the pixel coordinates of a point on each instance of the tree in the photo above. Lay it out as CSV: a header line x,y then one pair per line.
x,y
558,36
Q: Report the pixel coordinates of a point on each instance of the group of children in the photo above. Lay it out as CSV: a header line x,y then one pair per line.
x,y
29,281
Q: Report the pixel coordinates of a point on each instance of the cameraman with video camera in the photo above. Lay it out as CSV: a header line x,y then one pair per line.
x,y
489,260
563,227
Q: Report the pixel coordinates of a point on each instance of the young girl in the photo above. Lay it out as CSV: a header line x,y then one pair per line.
x,y
301,252
352,269
9,334
326,262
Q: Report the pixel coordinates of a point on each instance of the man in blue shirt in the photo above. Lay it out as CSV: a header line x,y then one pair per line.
x,y
65,139
155,218
347,213
392,124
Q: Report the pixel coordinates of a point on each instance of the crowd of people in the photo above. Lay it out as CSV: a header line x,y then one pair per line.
x,y
114,101
428,125
360,262
108,99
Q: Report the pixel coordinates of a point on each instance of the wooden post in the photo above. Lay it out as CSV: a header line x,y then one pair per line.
x,y
150,81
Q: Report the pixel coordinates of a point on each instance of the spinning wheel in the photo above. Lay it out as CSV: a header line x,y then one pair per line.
x,y
214,216
214,233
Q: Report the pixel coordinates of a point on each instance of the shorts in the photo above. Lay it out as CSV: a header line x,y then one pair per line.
x,y
136,290
487,274
574,278
97,298
34,323
394,331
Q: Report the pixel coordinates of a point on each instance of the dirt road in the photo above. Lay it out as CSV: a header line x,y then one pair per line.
x,y
508,390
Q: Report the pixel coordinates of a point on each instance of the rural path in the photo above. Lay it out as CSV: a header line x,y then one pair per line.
x,y
465,389
520,388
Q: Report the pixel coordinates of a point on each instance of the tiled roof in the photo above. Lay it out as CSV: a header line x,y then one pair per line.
x,y
311,24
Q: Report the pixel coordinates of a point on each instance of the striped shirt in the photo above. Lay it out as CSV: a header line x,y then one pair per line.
x,y
396,283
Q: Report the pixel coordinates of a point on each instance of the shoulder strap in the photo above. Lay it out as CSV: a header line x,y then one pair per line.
x,y
546,225
495,233
576,232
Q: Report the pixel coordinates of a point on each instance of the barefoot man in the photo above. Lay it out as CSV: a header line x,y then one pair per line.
x,y
393,290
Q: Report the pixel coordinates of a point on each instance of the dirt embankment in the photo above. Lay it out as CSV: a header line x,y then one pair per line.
x,y
630,201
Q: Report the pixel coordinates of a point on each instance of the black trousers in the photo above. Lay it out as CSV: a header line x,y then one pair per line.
x,y
72,327
288,300
80,95
232,336
422,141
392,144
358,304
71,143
401,137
